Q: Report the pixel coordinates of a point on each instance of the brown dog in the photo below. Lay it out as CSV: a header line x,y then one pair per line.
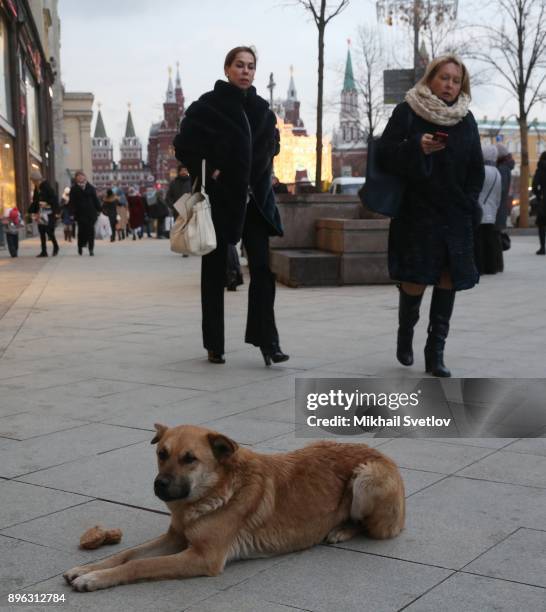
x,y
229,502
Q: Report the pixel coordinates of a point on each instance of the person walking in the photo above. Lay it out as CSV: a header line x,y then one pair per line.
x,y
67,217
45,209
86,206
136,213
180,185
539,189
12,222
233,129
432,142
505,165
110,209
122,217
487,239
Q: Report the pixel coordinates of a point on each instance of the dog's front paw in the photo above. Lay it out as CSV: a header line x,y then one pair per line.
x,y
88,582
75,572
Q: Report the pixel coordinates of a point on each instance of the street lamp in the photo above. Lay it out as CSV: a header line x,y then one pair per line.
x,y
417,14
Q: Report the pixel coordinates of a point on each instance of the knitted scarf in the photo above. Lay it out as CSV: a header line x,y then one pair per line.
x,y
428,106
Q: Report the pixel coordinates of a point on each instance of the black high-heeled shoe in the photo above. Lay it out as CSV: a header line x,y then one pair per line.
x,y
273,353
214,357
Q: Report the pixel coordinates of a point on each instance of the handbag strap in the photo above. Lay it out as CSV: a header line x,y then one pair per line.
x,y
203,174
492,187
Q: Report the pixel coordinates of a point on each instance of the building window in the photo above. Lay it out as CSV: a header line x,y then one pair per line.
x,y
7,173
5,83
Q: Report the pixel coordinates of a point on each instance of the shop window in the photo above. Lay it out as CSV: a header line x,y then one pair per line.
x,y
33,118
5,84
7,173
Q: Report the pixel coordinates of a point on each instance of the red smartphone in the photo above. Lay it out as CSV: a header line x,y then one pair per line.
x,y
440,137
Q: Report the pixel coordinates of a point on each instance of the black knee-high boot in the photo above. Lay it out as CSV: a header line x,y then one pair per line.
x,y
441,309
408,315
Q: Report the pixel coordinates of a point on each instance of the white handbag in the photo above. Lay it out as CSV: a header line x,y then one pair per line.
x,y
193,231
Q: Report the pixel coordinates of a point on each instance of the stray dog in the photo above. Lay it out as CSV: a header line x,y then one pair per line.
x,y
229,502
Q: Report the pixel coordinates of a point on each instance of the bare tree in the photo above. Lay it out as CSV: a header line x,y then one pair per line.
x,y
369,81
516,52
322,14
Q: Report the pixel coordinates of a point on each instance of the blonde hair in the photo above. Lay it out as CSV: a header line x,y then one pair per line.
x,y
439,62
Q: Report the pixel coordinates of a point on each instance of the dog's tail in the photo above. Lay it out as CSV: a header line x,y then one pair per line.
x,y
378,498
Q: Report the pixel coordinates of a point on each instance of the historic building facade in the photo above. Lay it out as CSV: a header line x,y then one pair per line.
x,y
161,160
26,118
349,150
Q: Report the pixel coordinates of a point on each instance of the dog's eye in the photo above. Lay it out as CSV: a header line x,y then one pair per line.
x,y
162,455
189,458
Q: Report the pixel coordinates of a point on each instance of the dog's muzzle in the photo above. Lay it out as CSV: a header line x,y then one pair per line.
x,y
168,488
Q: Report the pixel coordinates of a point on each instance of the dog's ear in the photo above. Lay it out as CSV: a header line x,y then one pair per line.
x,y
160,429
222,446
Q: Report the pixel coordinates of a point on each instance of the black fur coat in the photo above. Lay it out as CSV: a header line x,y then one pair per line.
x,y
440,211
235,132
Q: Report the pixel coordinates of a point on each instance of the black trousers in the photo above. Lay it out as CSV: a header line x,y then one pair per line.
x,y
46,231
86,235
260,324
13,243
542,236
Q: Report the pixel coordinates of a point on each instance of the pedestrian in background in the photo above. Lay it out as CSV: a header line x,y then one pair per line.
x,y
432,142
539,189
136,212
86,205
12,222
233,129
110,209
122,218
45,209
67,216
505,165
278,187
487,241
180,185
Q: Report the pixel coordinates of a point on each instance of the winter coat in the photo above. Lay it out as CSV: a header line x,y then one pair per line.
x,y
435,228
505,167
490,195
45,193
136,211
85,204
234,130
177,188
539,189
109,207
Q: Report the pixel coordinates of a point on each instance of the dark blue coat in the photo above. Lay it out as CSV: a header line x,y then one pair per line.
x,y
435,228
235,132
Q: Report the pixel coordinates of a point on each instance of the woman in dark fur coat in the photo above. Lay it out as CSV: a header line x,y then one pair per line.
x,y
233,129
432,141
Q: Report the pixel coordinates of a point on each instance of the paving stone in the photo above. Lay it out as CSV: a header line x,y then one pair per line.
x,y
426,454
510,467
453,521
22,502
307,581
519,558
57,448
62,530
249,431
29,425
463,593
27,563
230,601
532,446
130,475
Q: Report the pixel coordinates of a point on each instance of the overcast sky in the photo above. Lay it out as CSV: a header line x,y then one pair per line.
x,y
120,50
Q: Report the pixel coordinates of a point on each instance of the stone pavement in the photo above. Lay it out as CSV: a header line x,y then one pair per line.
x,y
93,351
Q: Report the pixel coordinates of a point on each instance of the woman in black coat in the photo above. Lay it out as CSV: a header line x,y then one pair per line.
x,y
432,141
233,129
539,189
45,208
86,206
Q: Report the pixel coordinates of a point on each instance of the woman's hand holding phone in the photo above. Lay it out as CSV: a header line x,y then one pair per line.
x,y
432,143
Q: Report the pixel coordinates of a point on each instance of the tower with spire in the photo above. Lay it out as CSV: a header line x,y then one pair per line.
x,y
349,146
161,159
130,173
292,108
102,155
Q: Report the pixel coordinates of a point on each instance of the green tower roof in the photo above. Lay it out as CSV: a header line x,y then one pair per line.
x,y
130,129
100,132
349,82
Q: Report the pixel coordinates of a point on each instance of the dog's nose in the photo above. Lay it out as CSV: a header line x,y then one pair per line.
x,y
161,484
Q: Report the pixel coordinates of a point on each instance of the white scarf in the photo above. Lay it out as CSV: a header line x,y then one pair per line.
x,y
428,106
